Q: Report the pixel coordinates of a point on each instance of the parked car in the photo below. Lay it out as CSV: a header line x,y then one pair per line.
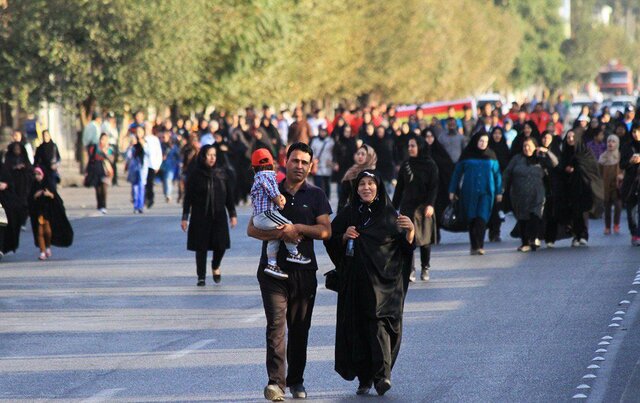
x,y
576,106
493,99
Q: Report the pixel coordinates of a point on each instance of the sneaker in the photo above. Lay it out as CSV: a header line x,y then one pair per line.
x,y
481,252
382,386
616,229
103,211
607,231
201,282
424,274
536,243
524,248
274,271
474,252
298,391
583,242
43,256
48,252
575,243
412,275
363,389
273,393
298,258
551,245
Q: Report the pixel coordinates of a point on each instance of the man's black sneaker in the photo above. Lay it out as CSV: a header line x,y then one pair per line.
x,y
298,391
200,282
274,271
298,258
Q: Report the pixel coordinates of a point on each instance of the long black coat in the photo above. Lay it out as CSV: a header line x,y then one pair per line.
x,y
208,197
10,233
53,211
630,172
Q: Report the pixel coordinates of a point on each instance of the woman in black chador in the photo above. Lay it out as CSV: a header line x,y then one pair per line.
x,y
208,197
48,216
19,167
415,197
372,247
13,211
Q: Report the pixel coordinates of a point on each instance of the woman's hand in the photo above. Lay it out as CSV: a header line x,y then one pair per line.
x,y
428,211
3,185
38,194
47,193
452,196
569,169
233,221
350,233
498,198
404,222
184,225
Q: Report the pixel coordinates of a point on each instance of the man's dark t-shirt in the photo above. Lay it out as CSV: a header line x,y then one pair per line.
x,y
308,203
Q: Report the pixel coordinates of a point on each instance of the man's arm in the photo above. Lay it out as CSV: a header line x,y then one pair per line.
x,y
321,230
288,233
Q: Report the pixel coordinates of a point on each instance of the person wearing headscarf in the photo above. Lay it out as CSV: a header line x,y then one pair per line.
x,y
364,158
524,177
529,129
498,144
207,200
554,213
48,217
343,152
48,158
609,164
415,197
371,246
383,145
583,184
17,164
630,190
14,212
477,182
445,170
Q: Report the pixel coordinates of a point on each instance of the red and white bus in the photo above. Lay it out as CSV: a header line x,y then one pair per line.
x,y
615,79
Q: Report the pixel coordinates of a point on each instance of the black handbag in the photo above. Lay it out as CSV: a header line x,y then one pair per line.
x,y
452,218
331,280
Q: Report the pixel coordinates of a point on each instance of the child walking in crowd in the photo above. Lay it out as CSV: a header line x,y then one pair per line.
x,y
266,199
48,217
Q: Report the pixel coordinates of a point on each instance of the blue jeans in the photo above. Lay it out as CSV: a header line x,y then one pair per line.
x,y
137,194
167,182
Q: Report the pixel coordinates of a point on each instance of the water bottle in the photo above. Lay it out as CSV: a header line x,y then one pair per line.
x,y
350,247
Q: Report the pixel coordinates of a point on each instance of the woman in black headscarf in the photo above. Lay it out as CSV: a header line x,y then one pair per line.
x,y
14,212
524,176
208,197
498,144
529,129
19,167
554,216
445,170
343,152
371,246
630,190
583,183
415,197
48,158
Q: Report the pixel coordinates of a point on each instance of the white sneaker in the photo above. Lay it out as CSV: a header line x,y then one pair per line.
x,y
537,243
551,245
103,211
583,242
298,258
274,271
43,256
48,252
575,243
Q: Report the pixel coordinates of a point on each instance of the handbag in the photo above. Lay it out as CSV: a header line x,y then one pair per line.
x,y
452,218
331,280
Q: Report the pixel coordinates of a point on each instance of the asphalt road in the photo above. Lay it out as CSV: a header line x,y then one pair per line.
x,y
118,317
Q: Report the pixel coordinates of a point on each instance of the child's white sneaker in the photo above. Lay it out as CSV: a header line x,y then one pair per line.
x,y
298,258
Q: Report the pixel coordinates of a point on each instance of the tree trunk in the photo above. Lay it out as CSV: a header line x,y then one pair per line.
x,y
6,118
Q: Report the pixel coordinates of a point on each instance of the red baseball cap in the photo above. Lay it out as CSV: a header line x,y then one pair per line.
x,y
261,156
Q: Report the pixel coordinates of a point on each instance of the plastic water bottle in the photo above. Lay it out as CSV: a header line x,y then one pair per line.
x,y
350,247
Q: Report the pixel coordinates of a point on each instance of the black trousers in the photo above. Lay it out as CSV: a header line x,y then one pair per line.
x,y
148,189
101,195
633,218
529,229
580,225
201,262
495,222
425,257
477,228
288,305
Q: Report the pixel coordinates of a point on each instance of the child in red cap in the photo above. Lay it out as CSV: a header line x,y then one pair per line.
x,y
266,199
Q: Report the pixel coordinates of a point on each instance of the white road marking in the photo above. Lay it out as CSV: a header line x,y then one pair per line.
x,y
598,359
103,395
601,350
614,325
604,343
616,319
583,386
190,349
632,292
252,318
593,366
607,338
624,302
619,313
580,396
589,376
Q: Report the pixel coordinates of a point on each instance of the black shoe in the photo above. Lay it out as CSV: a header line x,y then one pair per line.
x,y
298,258
298,391
273,393
274,271
382,386
217,278
200,282
424,274
363,388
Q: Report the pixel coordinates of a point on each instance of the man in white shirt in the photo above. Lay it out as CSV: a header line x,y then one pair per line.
x,y
153,158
